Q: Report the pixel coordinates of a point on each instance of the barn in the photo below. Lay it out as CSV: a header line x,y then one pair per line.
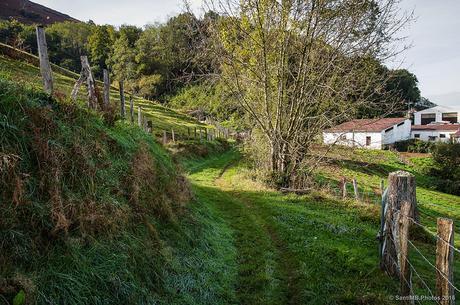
x,y
369,133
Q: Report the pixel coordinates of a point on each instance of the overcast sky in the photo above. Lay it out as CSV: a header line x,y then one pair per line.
x,y
434,56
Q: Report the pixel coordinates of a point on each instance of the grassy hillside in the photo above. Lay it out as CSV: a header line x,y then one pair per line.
x,y
94,213
162,117
369,167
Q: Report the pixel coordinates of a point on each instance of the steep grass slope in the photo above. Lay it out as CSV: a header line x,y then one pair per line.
x,y
163,118
94,213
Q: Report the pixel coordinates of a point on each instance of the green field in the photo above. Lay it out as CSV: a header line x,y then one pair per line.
x,y
163,118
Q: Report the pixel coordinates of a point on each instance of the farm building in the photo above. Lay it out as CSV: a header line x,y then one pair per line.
x,y
438,114
436,132
369,133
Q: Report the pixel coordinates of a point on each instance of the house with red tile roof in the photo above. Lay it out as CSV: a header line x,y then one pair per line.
x,y
437,124
369,133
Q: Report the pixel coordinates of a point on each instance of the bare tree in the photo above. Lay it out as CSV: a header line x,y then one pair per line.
x,y
300,66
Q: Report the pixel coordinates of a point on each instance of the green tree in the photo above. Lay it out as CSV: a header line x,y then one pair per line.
x,y
123,60
100,45
67,41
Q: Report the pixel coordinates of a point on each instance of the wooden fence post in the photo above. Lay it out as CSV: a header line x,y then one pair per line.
x,y
131,108
90,83
355,188
402,225
401,188
206,134
188,132
45,66
201,134
106,88
195,133
122,99
444,262
173,136
343,185
165,137
139,116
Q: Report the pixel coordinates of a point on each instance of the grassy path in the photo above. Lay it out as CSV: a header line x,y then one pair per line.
x,y
291,249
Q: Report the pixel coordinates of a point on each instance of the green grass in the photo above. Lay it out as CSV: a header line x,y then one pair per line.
x,y
163,118
94,213
293,249
370,167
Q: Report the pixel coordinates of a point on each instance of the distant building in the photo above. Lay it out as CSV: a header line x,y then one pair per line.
x,y
437,124
435,132
438,114
369,133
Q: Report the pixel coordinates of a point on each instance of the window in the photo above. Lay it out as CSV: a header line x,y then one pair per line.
x,y
450,117
428,118
389,129
368,141
442,135
432,138
417,135
400,124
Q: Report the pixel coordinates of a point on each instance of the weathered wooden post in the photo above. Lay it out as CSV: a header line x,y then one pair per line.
x,y
355,188
206,134
402,225
165,138
45,66
122,99
401,188
173,135
106,88
188,132
444,262
90,83
343,185
195,133
139,116
131,108
201,134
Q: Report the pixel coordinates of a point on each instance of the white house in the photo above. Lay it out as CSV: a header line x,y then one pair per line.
x,y
438,114
369,133
437,124
435,132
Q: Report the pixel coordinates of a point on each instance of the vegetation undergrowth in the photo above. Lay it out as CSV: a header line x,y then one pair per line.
x,y
94,213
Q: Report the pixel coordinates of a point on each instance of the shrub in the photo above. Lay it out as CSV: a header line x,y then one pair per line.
x,y
446,157
414,146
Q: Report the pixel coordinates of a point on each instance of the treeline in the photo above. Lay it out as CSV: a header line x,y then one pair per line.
x,y
154,61
175,62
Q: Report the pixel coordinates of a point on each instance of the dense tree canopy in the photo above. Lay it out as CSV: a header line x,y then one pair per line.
x,y
160,61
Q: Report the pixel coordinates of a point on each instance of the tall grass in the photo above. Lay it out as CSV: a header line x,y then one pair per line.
x,y
95,213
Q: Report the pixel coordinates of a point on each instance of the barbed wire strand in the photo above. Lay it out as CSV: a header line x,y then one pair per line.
x,y
417,274
409,284
440,272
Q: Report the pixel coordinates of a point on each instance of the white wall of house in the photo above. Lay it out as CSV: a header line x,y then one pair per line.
x,y
398,133
437,111
376,139
356,139
424,135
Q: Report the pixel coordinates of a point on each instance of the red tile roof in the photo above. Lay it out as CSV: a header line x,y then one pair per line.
x,y
442,127
367,125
